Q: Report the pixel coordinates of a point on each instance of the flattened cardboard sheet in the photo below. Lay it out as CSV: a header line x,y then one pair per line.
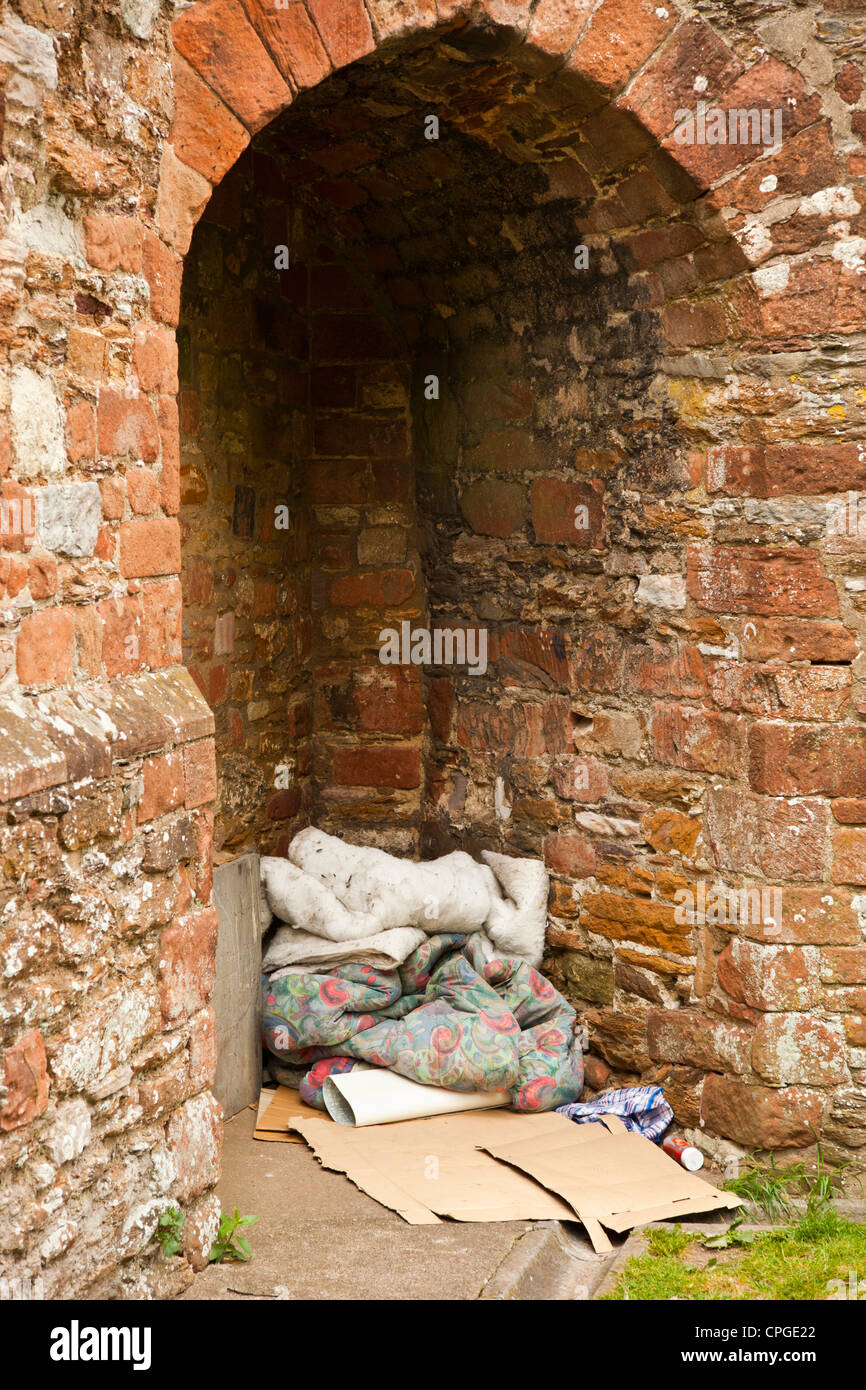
x,y
427,1169
276,1109
608,1176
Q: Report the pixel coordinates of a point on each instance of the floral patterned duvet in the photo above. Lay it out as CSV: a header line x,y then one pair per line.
x,y
444,1018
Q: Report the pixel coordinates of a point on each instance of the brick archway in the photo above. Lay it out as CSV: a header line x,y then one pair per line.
x,y
686,215
716,703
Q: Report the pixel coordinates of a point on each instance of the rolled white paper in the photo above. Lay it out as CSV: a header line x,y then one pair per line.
x,y
381,1097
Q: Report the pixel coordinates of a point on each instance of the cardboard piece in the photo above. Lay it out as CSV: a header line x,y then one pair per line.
x,y
276,1108
427,1169
608,1176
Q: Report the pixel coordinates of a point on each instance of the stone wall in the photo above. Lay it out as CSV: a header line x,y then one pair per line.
x,y
638,473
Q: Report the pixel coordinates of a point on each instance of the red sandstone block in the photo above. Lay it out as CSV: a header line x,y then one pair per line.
x,y
218,41
849,855
849,310
660,668
810,917
373,589
393,480
805,163
283,805
596,660
169,482
844,965
667,83
811,692
345,29
42,576
80,432
698,740
163,785
349,435
162,604
773,839
202,1049
494,508
566,513
113,243
183,196
663,243
580,779
293,39
618,40
800,760
759,1117
387,766
187,961
760,580
203,868
529,656
688,324
796,639
525,730
149,548
205,134
337,484
200,774
163,270
809,297
689,1037
126,426
772,470
143,490
557,24
850,810
849,83
46,646
396,18
154,355
798,1048
25,1081
193,1139
122,622
768,84
569,854
768,976
389,701
17,516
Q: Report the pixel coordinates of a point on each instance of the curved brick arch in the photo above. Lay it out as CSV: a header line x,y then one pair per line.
x,y
237,66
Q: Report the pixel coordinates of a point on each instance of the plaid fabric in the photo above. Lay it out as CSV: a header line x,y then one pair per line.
x,y
641,1108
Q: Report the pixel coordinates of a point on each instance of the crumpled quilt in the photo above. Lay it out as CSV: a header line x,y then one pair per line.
x,y
446,1017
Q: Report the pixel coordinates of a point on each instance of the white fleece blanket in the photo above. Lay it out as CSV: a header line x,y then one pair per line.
x,y
354,896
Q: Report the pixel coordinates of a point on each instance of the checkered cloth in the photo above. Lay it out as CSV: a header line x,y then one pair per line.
x,y
641,1108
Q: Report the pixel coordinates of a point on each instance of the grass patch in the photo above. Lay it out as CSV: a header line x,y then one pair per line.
x,y
795,1262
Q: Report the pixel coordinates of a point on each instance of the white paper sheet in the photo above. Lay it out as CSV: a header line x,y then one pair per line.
x,y
381,1097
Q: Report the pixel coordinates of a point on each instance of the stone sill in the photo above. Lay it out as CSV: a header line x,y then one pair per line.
x,y
69,736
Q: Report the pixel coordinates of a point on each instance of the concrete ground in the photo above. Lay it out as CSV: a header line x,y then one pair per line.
x,y
319,1237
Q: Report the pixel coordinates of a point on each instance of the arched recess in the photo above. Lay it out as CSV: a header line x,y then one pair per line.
x,y
604,733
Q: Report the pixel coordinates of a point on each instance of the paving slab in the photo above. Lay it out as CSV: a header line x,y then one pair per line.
x,y
319,1237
